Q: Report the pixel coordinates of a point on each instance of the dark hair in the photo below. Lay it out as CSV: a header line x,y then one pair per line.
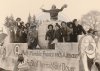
x,y
69,24
63,22
18,18
74,20
57,25
53,6
50,25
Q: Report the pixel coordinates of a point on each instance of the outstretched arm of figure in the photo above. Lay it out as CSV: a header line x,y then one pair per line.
x,y
44,10
64,6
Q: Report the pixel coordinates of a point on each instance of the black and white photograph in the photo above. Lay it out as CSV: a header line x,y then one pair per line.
x,y
49,35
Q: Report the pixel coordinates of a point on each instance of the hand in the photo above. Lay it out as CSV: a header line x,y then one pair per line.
x,y
64,6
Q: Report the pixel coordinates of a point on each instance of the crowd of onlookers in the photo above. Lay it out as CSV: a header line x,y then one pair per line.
x,y
64,32
23,33
18,31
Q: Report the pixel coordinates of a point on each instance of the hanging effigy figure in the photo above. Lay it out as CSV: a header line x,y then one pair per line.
x,y
54,12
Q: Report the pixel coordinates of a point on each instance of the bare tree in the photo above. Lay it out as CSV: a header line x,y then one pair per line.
x,y
91,20
9,21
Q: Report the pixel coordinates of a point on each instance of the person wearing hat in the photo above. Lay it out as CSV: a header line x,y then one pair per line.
x,y
54,11
32,37
18,27
18,22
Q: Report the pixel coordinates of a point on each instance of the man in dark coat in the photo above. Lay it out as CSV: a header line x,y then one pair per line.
x,y
23,36
77,30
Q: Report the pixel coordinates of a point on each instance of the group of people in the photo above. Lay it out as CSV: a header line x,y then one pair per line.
x,y
66,32
24,33
18,31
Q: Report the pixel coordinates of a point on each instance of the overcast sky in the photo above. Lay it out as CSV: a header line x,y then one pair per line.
x,y
22,8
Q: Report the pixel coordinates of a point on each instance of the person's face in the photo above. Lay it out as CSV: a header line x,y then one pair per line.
x,y
50,28
76,23
28,25
53,7
63,25
70,26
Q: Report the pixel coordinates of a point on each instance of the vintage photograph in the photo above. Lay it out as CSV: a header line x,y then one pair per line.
x,y
49,35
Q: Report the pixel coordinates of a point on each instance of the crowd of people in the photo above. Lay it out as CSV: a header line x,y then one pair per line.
x,y
23,33
66,32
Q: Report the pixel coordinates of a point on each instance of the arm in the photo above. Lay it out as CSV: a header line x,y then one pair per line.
x,y
45,10
64,6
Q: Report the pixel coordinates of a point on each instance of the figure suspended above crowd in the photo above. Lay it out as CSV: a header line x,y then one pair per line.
x,y
54,11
